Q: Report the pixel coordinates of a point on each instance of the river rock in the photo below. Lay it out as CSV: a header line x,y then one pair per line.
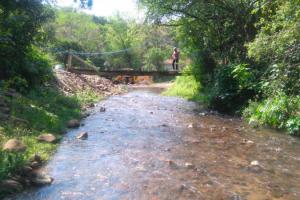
x,y
41,179
224,128
35,164
248,142
91,105
254,163
171,163
50,138
36,158
24,171
189,165
203,114
255,167
14,145
73,123
10,186
82,136
102,109
192,125
212,129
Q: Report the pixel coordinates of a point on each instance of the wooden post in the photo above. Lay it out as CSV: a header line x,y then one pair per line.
x,y
69,64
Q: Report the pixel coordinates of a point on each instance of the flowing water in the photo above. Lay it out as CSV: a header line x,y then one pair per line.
x,y
150,147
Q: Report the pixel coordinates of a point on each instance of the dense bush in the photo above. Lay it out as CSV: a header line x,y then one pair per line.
x,y
280,111
232,87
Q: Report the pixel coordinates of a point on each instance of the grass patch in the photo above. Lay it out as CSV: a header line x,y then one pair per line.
x,y
188,87
46,111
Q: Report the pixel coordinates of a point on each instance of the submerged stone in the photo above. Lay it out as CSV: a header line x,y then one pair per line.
x,y
82,136
102,109
41,179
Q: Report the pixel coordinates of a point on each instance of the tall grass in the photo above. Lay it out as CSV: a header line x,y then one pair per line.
x,y
186,86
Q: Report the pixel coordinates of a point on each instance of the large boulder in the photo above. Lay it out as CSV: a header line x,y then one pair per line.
x,y
73,123
14,145
50,138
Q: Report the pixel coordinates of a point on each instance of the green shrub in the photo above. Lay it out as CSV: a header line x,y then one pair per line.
x,y
232,87
20,84
281,111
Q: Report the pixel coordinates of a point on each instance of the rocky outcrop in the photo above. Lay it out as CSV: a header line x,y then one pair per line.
x,y
14,145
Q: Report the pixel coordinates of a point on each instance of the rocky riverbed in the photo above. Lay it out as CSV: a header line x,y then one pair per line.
x,y
145,146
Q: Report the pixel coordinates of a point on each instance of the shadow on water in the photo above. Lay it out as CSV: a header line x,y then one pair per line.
x,y
147,146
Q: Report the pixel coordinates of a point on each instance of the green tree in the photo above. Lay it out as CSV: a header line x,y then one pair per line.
x,y
20,23
124,35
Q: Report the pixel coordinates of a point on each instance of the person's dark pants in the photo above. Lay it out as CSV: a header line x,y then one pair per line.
x,y
175,64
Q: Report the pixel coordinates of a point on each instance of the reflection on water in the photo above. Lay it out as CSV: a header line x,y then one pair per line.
x,y
150,147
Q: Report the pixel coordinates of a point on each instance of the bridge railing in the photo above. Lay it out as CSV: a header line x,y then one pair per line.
x,y
92,69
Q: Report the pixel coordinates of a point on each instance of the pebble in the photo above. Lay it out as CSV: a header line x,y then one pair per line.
x,y
224,129
254,163
189,165
255,167
247,142
191,125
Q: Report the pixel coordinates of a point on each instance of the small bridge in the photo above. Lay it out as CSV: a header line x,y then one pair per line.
x,y
93,70
113,73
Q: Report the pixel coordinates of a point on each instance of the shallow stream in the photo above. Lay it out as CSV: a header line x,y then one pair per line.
x,y
151,147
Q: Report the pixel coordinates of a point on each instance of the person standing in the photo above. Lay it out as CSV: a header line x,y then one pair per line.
x,y
175,57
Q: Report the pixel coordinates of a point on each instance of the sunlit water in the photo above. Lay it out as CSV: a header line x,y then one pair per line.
x,y
150,147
